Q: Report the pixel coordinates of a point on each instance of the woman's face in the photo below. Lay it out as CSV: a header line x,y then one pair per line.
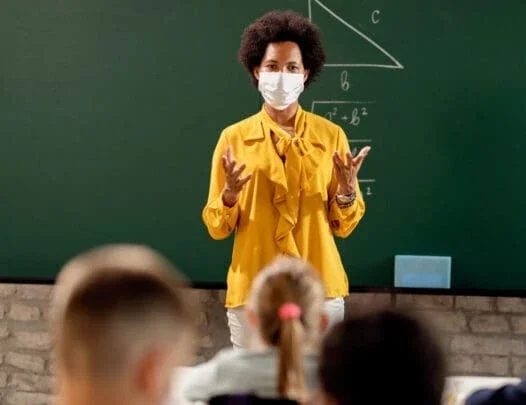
x,y
282,57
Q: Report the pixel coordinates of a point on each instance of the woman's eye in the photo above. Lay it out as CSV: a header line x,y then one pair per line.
x,y
293,68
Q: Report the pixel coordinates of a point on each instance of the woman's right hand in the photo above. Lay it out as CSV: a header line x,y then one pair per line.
x,y
234,181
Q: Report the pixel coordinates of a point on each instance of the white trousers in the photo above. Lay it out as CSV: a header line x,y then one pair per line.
x,y
237,323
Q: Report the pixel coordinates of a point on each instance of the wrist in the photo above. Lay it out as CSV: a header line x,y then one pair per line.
x,y
346,200
229,198
346,190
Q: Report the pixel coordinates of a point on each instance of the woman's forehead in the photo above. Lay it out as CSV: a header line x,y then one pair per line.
x,y
280,51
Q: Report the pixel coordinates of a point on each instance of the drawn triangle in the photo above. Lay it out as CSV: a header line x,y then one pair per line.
x,y
375,56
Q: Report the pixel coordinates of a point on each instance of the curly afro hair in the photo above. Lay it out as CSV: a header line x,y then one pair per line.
x,y
281,26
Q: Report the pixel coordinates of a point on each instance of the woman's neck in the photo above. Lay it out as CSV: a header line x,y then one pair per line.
x,y
284,117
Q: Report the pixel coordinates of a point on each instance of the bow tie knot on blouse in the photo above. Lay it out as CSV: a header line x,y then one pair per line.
x,y
300,157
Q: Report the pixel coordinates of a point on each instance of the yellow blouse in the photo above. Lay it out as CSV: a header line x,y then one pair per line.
x,y
288,206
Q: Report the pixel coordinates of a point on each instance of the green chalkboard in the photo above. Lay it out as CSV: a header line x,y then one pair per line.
x,y
110,110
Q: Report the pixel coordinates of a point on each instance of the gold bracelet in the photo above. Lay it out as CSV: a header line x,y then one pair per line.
x,y
345,201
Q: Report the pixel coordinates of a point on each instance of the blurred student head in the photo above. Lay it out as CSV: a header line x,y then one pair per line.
x,y
382,357
122,322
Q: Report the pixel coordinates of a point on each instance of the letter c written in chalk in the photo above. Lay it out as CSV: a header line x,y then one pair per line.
x,y
374,16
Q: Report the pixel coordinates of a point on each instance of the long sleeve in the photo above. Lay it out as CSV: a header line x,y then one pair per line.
x,y
242,372
344,220
219,219
199,384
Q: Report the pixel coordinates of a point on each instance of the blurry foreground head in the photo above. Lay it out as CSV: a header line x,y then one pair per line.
x,y
380,358
122,321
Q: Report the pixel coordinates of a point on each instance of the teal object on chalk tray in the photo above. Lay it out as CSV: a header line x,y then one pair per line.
x,y
422,271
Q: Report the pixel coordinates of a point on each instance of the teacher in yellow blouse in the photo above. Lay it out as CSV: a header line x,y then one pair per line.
x,y
283,179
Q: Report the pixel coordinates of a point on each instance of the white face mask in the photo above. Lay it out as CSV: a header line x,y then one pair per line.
x,y
280,89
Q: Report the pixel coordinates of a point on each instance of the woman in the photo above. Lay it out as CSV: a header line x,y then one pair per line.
x,y
301,187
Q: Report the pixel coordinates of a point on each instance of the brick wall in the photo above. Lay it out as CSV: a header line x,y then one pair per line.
x,y
483,336
25,374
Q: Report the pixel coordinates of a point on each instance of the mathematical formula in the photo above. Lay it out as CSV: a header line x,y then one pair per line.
x,y
348,114
352,115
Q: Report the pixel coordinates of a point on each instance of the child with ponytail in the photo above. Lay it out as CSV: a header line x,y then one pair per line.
x,y
285,312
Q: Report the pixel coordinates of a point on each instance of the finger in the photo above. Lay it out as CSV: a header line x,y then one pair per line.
x,y
229,155
224,163
361,156
358,165
241,182
354,173
357,161
237,171
231,165
337,160
349,158
364,152
229,162
340,170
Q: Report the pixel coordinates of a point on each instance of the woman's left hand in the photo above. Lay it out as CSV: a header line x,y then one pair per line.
x,y
347,172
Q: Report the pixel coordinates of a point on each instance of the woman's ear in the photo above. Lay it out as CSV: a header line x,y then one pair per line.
x,y
255,72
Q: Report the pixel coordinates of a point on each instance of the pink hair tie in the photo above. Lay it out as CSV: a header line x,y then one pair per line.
x,y
289,310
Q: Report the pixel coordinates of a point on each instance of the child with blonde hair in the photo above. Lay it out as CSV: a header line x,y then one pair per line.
x,y
286,312
121,322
